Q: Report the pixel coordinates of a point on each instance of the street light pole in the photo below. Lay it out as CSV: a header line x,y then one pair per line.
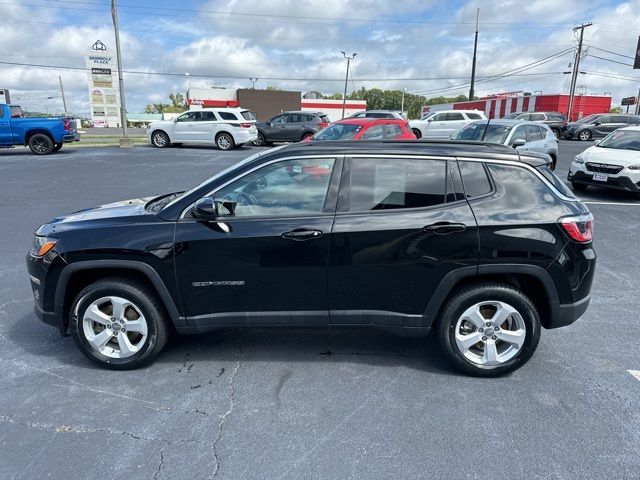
x,y
123,109
64,100
346,79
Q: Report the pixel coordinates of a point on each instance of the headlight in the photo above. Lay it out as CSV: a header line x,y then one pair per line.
x,y
634,167
42,245
578,159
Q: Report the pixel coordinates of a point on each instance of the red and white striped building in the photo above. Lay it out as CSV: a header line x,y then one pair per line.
x,y
497,106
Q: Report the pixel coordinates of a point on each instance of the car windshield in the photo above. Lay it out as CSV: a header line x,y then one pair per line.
x,y
496,133
338,131
622,139
588,119
512,115
247,115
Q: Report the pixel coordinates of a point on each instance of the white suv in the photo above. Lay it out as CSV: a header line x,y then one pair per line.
x,y
224,127
445,123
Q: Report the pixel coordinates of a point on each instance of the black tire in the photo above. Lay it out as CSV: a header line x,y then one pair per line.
x,y
261,141
57,147
41,144
306,135
144,299
417,133
224,141
556,132
486,292
584,135
159,139
554,161
580,187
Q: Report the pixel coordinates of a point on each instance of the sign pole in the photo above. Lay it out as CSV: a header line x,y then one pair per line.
x,y
123,110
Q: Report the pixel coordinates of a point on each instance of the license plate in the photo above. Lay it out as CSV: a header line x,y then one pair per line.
x,y
600,177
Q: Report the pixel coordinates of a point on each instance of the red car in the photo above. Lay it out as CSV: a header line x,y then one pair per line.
x,y
366,129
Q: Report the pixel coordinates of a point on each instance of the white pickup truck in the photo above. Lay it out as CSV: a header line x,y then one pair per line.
x,y
441,125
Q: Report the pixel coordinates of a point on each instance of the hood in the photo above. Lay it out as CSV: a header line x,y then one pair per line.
x,y
613,156
125,211
161,123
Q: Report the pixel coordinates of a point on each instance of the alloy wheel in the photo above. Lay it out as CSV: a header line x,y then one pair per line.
x,y
224,142
159,140
585,135
114,327
490,333
40,145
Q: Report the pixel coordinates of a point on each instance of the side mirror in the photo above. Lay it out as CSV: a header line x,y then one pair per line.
x,y
596,123
209,209
519,142
429,119
269,124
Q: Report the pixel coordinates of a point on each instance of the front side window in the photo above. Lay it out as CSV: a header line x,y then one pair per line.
x,y
519,134
188,117
439,117
287,188
338,131
372,133
279,119
603,119
533,133
385,184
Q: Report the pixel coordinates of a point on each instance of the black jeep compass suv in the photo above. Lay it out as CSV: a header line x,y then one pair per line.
x,y
475,241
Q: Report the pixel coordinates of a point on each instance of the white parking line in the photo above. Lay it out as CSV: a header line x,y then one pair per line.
x,y
635,373
612,203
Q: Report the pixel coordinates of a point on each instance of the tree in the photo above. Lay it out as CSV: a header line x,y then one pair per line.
x,y
177,105
615,110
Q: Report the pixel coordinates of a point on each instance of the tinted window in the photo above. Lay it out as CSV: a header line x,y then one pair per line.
x,y
291,187
621,119
557,117
1,112
392,130
474,177
536,117
295,118
533,133
279,119
475,131
211,117
382,184
555,181
520,194
338,131
454,183
439,117
308,118
188,117
372,133
603,119
474,116
247,115
453,116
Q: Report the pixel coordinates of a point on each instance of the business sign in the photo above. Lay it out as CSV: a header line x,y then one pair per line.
x,y
636,63
4,96
103,86
628,101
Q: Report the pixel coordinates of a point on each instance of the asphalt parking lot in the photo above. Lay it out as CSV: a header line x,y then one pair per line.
x,y
270,404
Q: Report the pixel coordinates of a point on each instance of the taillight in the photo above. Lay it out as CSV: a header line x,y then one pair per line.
x,y
323,124
245,125
578,227
67,124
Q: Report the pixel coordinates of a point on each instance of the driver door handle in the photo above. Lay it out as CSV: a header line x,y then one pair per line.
x,y
445,228
302,234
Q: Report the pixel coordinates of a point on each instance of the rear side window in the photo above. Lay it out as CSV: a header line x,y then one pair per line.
x,y
1,112
295,118
474,116
474,177
452,116
227,116
392,130
537,117
247,115
395,183
374,132
308,118
207,117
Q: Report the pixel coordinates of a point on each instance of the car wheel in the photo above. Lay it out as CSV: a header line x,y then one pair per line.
x,y
584,135
556,132
417,133
260,141
553,162
41,144
580,187
489,329
119,324
224,141
160,139
57,147
307,135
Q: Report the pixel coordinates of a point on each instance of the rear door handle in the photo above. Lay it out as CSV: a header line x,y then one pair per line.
x,y
302,234
445,228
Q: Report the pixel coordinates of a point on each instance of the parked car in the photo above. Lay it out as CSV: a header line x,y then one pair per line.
x,y
444,124
41,135
475,241
378,114
611,163
557,122
598,126
291,127
523,136
225,128
366,129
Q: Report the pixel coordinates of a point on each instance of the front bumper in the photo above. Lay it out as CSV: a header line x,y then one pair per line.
x,y
37,269
628,180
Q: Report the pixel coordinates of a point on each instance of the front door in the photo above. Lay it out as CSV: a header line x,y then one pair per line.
x,y
267,263
535,139
401,226
274,129
185,128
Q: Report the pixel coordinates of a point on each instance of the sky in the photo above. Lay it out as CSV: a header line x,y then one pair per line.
x,y
425,46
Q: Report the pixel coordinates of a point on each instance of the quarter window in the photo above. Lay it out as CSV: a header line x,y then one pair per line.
x,y
287,188
474,116
227,116
474,177
385,184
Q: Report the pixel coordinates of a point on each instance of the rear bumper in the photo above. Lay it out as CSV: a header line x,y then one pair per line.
x,y
71,137
245,135
567,313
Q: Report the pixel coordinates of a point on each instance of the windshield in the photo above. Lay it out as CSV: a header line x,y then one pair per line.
x,y
338,131
247,115
496,133
588,119
622,139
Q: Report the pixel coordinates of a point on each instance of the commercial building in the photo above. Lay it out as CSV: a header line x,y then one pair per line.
x,y
4,96
497,106
103,86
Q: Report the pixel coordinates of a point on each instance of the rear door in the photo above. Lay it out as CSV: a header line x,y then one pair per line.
x,y
293,128
206,127
604,127
5,128
401,226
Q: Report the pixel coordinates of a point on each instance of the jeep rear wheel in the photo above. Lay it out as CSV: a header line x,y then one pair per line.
x,y
119,324
41,144
489,329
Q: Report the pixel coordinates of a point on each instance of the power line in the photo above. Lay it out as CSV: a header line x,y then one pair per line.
x,y
608,51
610,60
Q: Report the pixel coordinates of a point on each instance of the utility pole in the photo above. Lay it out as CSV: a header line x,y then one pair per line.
x,y
64,100
253,82
346,79
473,64
576,68
124,142
638,103
404,90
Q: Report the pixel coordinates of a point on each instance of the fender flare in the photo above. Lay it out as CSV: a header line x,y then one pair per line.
x,y
145,269
448,282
